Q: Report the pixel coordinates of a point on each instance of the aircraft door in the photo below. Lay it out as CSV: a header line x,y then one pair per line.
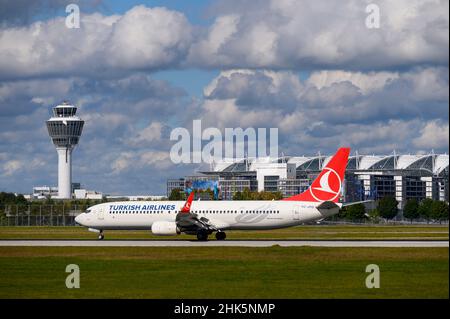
x,y
101,213
296,215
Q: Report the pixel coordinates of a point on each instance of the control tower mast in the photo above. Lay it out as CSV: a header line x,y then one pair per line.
x,y
65,128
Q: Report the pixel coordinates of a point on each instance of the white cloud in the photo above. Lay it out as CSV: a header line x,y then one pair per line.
x,y
313,35
141,160
156,159
151,133
207,47
373,111
366,82
330,96
253,34
122,162
10,167
148,38
141,38
433,135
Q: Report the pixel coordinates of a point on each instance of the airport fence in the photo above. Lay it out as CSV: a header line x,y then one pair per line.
x,y
40,215
64,215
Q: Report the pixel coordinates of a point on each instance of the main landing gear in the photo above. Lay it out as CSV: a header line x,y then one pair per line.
x,y
100,235
202,235
220,235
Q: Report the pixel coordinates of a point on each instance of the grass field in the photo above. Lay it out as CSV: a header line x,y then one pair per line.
x,y
403,232
227,272
231,272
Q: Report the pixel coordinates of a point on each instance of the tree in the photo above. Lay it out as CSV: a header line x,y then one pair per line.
x,y
11,199
387,207
425,208
439,210
237,196
355,212
7,198
20,199
176,194
246,194
411,209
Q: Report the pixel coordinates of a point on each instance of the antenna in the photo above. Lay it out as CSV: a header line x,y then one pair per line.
x,y
433,160
320,160
357,159
395,159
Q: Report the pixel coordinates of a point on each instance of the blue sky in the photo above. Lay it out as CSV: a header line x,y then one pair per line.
x,y
139,69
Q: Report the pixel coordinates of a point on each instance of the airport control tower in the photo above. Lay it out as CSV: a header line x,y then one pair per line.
x,y
65,128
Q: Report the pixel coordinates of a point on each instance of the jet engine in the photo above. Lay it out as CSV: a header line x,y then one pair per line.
x,y
164,228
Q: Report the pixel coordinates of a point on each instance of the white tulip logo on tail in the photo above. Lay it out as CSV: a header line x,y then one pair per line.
x,y
329,186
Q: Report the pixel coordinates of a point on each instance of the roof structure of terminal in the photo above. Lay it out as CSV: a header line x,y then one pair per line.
x,y
432,163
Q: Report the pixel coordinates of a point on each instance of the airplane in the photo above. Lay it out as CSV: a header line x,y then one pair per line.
x,y
202,218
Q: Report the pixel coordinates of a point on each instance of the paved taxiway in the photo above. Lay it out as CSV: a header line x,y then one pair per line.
x,y
226,243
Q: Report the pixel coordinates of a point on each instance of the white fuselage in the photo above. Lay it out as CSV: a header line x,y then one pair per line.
x,y
222,214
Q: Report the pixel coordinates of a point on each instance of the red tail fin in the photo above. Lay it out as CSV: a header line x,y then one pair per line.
x,y
187,206
327,186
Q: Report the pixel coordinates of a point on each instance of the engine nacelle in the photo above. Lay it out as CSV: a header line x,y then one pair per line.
x,y
164,228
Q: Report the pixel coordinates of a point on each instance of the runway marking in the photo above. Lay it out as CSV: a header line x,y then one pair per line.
x,y
226,243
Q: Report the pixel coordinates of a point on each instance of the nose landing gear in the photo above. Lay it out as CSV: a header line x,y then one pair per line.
x,y
220,235
100,235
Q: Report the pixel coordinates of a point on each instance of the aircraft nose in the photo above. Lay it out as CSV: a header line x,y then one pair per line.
x,y
79,219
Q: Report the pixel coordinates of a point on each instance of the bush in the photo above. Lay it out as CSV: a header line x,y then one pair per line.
x,y
374,215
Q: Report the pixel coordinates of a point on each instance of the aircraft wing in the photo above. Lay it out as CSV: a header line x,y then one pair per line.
x,y
218,224
189,222
355,203
330,204
327,205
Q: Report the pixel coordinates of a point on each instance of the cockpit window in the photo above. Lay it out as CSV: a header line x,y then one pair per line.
x,y
88,211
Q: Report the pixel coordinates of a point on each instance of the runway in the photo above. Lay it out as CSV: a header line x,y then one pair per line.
x,y
226,243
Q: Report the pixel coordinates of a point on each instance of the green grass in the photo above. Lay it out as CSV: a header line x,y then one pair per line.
x,y
431,232
226,272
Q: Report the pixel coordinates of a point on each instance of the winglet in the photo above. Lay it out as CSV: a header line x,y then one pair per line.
x,y
187,206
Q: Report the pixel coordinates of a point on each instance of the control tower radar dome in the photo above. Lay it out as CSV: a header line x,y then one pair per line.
x,y
65,128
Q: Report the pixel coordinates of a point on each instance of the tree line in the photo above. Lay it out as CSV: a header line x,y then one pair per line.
x,y
246,194
387,208
19,199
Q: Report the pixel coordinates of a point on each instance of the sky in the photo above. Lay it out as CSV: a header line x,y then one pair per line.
x,y
138,69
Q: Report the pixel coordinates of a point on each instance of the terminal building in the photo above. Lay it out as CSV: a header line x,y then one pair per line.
x,y
43,192
367,176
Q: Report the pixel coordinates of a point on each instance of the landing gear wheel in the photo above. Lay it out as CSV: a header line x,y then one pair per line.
x,y
202,236
101,236
220,235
